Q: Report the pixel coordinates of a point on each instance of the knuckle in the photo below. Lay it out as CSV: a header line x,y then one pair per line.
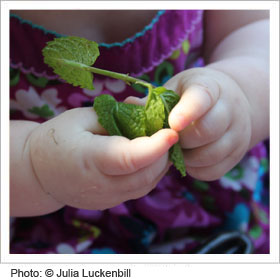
x,y
205,130
126,162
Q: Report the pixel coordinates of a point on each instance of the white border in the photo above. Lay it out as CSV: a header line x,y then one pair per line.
x,y
134,5
273,257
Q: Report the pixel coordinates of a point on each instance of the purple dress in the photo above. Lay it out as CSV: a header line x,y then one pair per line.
x,y
180,214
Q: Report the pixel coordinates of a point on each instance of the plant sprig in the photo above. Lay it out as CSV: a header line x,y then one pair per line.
x,y
72,58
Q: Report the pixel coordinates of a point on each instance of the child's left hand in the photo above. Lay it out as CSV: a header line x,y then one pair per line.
x,y
214,121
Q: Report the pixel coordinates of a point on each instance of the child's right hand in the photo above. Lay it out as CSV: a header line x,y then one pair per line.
x,y
78,165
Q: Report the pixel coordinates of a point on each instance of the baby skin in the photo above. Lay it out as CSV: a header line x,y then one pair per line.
x,y
222,113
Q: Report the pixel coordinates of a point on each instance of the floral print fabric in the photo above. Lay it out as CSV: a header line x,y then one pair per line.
x,y
180,213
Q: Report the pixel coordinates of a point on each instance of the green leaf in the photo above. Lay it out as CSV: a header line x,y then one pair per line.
x,y
177,158
120,118
69,57
131,120
169,99
154,110
104,106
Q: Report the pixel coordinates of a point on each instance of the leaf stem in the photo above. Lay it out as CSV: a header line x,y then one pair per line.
x,y
124,77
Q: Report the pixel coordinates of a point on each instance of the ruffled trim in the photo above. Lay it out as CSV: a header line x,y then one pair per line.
x,y
137,35
136,55
119,44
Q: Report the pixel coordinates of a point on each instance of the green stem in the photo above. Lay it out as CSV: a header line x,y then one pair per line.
x,y
124,77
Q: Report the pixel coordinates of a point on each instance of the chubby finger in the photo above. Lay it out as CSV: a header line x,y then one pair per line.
x,y
199,91
117,155
81,119
141,181
209,128
216,171
212,153
135,100
195,101
124,187
134,193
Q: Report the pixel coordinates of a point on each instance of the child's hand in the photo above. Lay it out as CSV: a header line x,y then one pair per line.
x,y
213,118
79,165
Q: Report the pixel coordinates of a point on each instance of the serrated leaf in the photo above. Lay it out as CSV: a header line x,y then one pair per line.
x,y
154,110
69,57
177,158
120,118
170,99
131,120
104,106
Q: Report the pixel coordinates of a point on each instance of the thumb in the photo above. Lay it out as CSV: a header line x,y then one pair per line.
x,y
199,90
135,100
118,155
195,101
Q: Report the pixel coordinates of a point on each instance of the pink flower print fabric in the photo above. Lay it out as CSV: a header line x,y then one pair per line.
x,y
180,214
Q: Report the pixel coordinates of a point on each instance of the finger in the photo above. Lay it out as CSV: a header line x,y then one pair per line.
x,y
142,178
115,194
188,84
215,172
212,153
195,101
126,187
135,188
207,129
116,155
141,192
83,119
136,100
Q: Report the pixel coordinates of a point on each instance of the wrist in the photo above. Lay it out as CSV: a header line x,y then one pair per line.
x,y
26,195
37,146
